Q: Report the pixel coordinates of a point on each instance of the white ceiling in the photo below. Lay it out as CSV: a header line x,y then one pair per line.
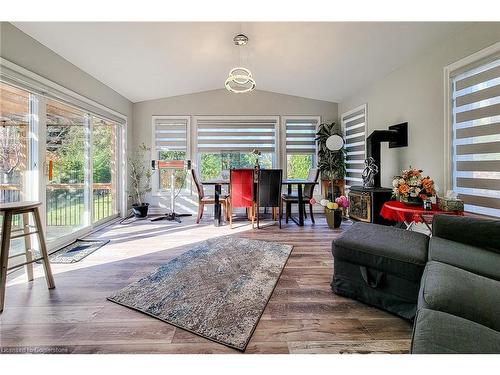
x,y
327,61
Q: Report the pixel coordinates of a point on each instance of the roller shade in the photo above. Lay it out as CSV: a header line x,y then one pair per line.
x,y
300,136
476,137
225,134
354,127
171,134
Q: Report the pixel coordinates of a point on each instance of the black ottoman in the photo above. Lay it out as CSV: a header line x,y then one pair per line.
x,y
381,266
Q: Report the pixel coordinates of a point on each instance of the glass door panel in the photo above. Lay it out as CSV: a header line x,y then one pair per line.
x,y
14,157
67,155
14,130
104,168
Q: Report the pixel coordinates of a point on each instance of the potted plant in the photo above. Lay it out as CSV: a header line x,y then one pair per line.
x,y
140,174
331,162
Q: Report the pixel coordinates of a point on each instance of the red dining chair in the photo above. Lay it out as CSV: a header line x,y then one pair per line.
x,y
241,182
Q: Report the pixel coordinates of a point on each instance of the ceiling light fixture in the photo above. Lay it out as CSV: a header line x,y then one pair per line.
x,y
240,79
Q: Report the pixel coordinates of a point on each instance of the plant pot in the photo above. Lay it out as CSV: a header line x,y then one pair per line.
x,y
140,210
333,218
412,201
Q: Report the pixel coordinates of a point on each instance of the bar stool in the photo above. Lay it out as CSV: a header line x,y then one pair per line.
x,y
22,208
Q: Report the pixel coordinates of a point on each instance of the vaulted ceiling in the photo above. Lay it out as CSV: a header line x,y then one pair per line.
x,y
327,61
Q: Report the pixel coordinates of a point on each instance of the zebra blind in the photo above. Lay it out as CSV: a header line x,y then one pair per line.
x,y
300,136
354,125
225,134
476,137
171,134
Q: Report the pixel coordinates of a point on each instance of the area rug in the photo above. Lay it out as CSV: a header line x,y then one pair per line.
x,y
75,251
217,290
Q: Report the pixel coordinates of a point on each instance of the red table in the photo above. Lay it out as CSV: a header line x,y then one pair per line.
x,y
400,212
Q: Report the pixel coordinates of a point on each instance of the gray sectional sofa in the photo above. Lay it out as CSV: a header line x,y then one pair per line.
x,y
448,284
458,308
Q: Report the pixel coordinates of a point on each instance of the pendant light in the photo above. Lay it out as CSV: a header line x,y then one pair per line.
x,y
240,79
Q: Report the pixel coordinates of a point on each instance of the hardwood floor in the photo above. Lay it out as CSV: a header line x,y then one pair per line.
x,y
302,316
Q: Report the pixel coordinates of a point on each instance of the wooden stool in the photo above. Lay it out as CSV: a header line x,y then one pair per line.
x,y
22,208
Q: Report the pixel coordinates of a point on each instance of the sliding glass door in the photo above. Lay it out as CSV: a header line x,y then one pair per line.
x,y
66,155
104,169
61,155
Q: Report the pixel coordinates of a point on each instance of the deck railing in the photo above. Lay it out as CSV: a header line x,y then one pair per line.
x,y
65,202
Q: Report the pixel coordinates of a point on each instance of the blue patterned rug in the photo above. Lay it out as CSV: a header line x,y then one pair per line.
x,y
75,251
217,290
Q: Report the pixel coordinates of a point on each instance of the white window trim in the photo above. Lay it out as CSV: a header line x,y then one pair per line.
x,y
155,192
282,150
448,108
342,124
194,134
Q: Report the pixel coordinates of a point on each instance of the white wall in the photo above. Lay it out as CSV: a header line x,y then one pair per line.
x,y
222,102
415,94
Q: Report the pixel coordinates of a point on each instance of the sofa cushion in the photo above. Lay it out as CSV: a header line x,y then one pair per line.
x,y
389,249
436,332
470,258
462,293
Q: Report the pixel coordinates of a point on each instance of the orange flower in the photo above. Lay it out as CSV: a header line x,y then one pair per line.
x,y
403,189
428,184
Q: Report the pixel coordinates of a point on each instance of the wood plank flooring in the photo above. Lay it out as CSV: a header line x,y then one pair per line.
x,y
302,316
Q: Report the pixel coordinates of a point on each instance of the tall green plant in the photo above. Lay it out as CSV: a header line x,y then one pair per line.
x,y
140,174
330,163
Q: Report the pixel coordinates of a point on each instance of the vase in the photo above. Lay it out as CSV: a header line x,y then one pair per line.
x,y
412,201
333,218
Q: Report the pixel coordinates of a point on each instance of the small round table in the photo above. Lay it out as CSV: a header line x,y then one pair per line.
x,y
409,215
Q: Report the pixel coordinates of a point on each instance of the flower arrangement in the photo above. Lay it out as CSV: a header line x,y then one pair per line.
x,y
333,210
340,203
412,186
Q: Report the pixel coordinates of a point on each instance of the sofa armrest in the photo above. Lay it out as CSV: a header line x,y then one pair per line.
x,y
476,232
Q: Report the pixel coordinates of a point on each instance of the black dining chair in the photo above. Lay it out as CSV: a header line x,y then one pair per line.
x,y
269,192
307,194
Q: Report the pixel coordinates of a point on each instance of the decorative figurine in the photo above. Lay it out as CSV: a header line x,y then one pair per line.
x,y
371,169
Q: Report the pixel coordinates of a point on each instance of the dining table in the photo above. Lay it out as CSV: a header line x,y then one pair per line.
x,y
217,183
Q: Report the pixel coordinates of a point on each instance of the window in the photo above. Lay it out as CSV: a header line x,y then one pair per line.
x,y
475,121
354,126
227,142
300,134
170,143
